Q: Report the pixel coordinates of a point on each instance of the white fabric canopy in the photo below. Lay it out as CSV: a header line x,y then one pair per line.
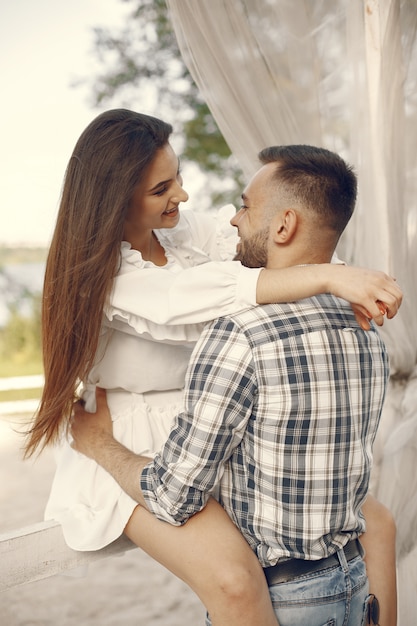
x,y
340,74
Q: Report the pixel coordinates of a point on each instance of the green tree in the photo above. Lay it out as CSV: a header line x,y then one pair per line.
x,y
143,70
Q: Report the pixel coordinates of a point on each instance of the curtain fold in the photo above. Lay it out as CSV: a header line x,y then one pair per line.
x,y
342,75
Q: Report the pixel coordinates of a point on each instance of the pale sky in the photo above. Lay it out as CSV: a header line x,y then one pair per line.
x,y
44,45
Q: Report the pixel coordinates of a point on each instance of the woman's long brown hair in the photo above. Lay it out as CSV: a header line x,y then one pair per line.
x,y
108,162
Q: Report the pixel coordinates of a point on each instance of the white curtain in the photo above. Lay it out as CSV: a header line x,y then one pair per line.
x,y
340,74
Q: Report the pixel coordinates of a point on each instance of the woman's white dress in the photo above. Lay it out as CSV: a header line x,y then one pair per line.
x,y
149,329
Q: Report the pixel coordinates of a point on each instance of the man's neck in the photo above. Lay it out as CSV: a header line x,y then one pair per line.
x,y
281,261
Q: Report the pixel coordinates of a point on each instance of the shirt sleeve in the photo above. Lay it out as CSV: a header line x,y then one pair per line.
x,y
220,388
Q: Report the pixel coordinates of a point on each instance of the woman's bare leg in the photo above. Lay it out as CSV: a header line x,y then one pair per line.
x,y
212,557
379,545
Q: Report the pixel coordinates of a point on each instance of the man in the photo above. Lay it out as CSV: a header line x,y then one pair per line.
x,y
282,405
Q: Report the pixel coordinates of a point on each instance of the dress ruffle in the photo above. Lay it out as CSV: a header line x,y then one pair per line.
x,y
89,504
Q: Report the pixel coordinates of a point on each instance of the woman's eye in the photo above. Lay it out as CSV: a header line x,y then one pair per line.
x,y
160,192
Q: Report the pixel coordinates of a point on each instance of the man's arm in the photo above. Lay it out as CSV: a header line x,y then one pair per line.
x,y
93,436
178,481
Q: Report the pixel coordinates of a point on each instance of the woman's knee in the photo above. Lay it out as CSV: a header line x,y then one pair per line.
x,y
239,582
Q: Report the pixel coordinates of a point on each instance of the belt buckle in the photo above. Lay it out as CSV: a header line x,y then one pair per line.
x,y
372,610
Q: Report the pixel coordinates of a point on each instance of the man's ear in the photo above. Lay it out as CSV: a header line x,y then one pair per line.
x,y
284,226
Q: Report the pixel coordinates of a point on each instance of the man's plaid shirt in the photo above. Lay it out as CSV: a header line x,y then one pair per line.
x,y
281,409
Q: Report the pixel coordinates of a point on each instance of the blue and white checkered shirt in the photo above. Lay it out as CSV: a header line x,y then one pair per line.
x,y
281,411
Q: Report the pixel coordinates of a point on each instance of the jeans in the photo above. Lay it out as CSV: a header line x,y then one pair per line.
x,y
333,597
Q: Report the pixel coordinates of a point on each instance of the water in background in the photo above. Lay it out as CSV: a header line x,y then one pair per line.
x,y
18,282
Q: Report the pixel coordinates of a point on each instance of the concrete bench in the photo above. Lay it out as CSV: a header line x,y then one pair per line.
x,y
39,551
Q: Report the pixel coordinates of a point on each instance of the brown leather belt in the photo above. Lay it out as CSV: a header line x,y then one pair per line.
x,y
293,568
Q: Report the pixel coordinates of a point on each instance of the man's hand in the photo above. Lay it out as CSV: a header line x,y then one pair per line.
x,y
93,436
91,431
371,293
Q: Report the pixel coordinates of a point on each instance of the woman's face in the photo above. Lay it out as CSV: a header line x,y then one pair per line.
x,y
156,199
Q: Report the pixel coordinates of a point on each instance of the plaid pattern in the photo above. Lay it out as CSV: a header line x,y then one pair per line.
x,y
281,411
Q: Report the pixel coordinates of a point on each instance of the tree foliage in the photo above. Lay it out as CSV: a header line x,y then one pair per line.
x,y
143,70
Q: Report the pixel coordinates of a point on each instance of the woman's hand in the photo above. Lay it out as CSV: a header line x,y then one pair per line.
x,y
372,294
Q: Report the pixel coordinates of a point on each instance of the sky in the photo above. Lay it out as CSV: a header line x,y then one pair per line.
x,y
45,45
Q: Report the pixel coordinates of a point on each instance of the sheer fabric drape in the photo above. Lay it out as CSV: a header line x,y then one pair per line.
x,y
341,74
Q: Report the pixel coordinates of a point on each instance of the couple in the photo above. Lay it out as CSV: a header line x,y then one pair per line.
x,y
132,200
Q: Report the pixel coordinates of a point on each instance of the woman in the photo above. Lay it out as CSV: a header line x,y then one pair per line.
x,y
120,246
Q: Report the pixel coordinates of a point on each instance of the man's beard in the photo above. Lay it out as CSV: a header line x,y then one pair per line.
x,y
253,251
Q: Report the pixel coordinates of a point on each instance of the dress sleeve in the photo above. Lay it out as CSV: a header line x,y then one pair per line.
x,y
198,284
224,238
206,236
189,296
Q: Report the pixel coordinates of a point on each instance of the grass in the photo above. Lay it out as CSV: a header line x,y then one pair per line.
x,y
13,368
16,368
13,395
